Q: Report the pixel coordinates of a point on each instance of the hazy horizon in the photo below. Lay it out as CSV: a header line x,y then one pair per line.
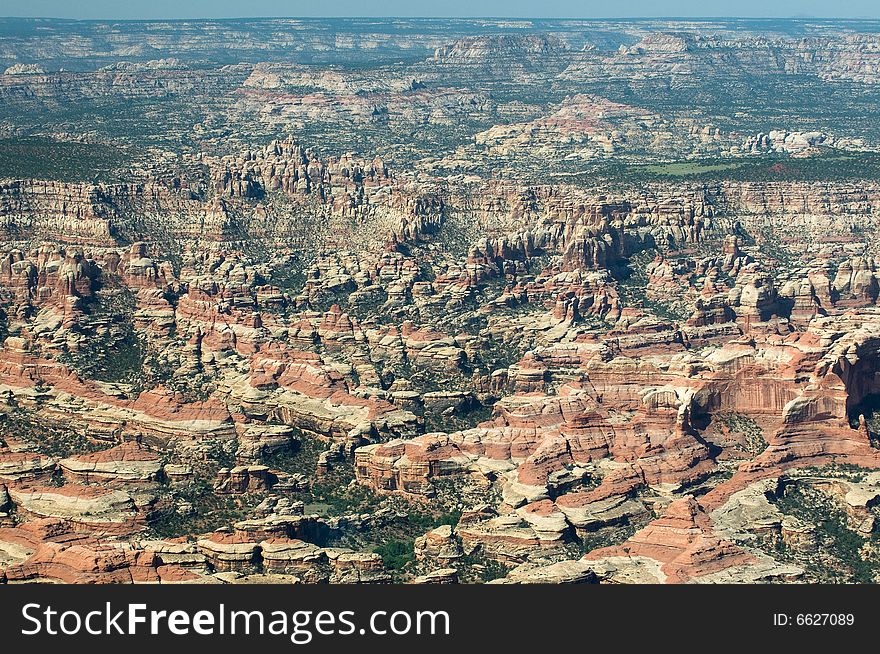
x,y
512,9
463,18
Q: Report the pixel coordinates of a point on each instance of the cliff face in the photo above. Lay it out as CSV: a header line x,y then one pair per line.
x,y
161,79
287,194
280,192
684,58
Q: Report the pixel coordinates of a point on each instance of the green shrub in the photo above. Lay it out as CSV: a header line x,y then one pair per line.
x,y
395,554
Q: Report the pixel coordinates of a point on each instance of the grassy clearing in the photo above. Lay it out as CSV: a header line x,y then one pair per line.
x,y
829,165
67,161
209,511
686,168
52,440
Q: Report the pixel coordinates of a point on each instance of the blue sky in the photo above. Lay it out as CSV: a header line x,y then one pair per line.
x,y
117,9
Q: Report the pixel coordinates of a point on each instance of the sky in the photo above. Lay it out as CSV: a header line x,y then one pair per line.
x,y
165,9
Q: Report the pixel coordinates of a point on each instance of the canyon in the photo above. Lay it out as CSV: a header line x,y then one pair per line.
x,y
430,325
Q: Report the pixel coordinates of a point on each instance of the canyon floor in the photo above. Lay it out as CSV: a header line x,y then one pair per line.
x,y
439,301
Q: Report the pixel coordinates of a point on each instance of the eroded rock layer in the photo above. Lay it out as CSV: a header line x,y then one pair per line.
x,y
479,305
